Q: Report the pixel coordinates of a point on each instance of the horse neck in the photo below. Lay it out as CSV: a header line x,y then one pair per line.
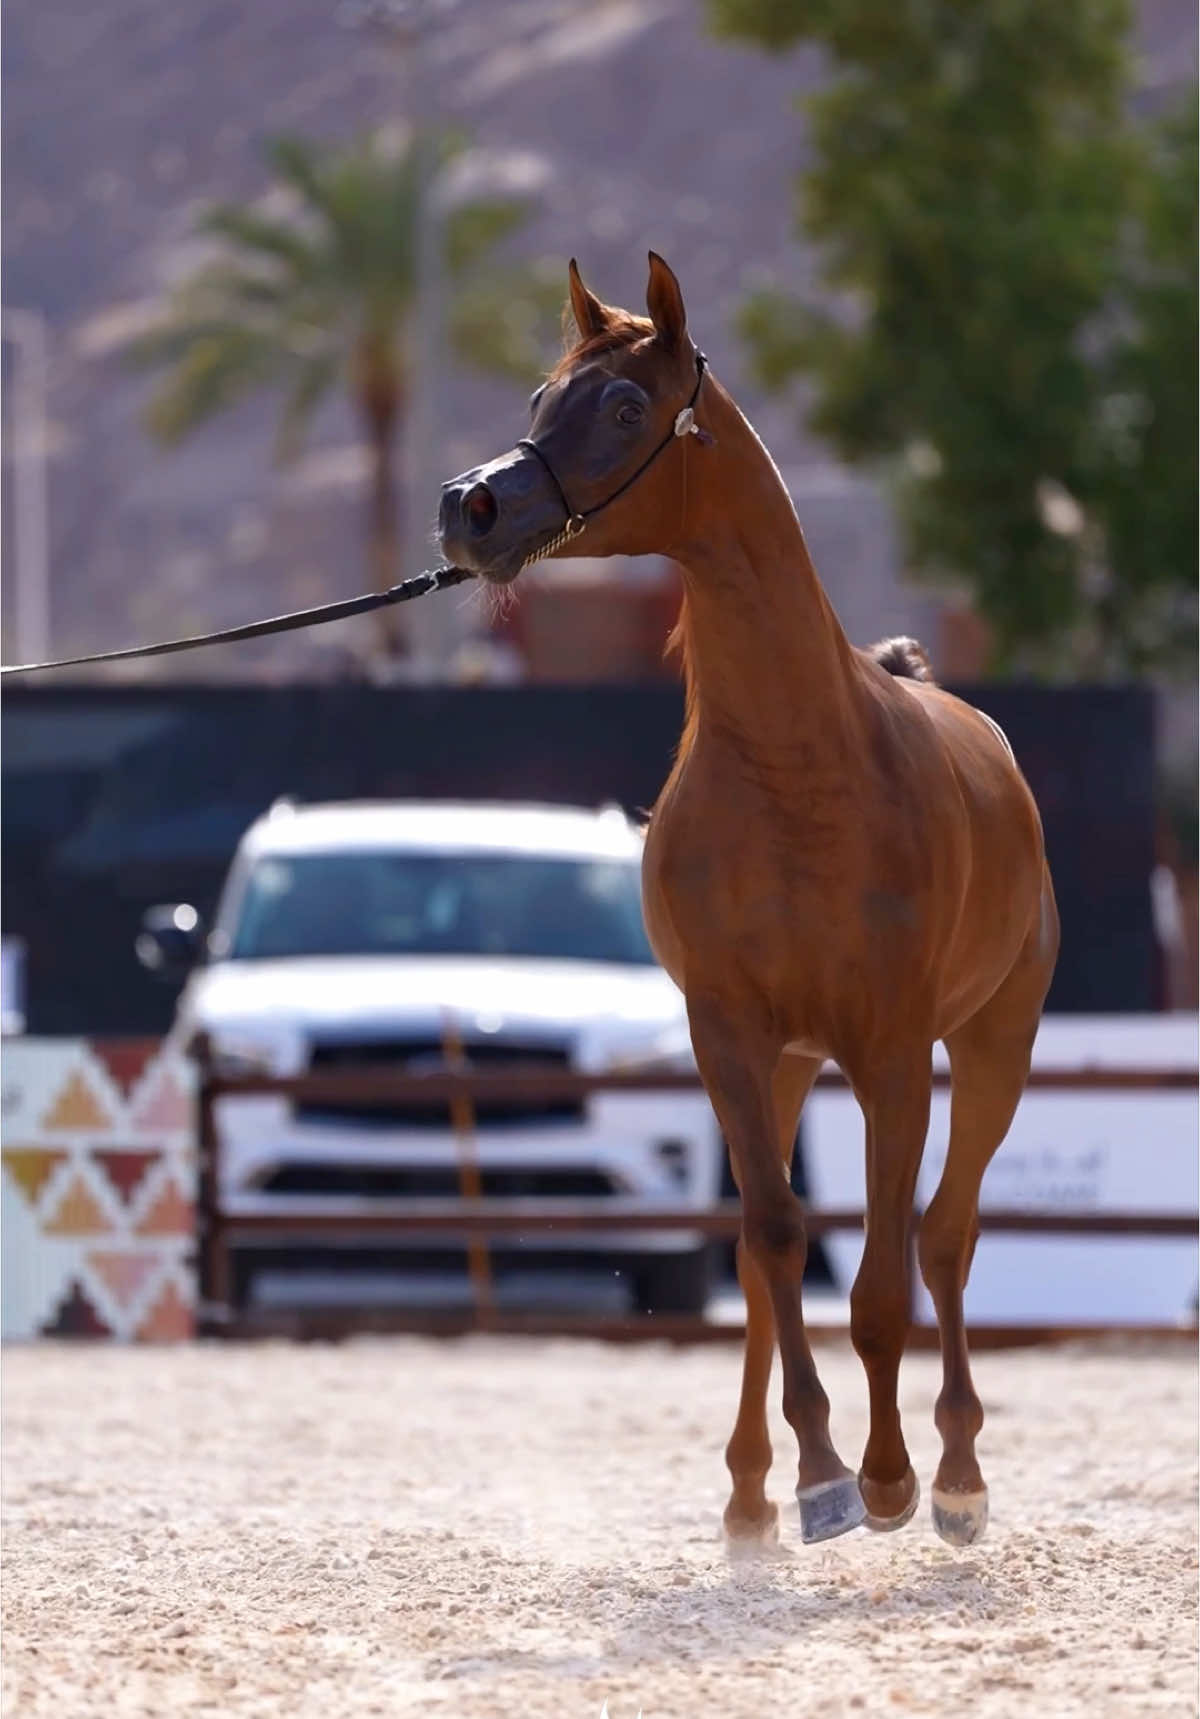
x,y
765,655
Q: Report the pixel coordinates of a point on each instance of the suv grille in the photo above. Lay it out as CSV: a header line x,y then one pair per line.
x,y
397,1055
435,1181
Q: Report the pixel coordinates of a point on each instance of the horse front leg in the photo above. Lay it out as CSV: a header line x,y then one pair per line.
x,y
750,1517
737,1064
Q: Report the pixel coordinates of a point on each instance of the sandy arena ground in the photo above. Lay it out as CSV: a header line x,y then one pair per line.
x,y
531,1529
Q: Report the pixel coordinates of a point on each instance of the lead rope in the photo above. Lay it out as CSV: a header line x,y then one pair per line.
x,y
434,579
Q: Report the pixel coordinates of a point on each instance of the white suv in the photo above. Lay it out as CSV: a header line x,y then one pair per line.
x,y
349,934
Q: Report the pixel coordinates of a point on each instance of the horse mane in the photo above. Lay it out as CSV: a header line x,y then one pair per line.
x,y
679,644
901,656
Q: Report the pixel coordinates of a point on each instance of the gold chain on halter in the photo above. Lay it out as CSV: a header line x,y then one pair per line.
x,y
570,530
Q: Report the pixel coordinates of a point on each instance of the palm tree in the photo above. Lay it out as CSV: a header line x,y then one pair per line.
x,y
319,295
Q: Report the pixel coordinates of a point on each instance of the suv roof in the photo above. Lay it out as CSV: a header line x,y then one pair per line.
x,y
447,827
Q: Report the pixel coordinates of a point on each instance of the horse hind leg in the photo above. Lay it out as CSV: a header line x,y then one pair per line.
x,y
987,1085
750,1518
989,1063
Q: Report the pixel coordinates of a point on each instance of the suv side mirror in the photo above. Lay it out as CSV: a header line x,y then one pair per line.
x,y
171,941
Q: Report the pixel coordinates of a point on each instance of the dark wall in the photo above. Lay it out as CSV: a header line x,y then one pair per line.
x,y
119,798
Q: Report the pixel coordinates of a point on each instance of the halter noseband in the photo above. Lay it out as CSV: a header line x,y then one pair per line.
x,y
684,425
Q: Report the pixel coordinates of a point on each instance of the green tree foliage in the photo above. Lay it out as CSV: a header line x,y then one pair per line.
x,y
312,290
1007,326
1146,420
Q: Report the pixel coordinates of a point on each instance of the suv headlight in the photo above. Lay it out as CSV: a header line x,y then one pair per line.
x,y
669,1047
236,1054
674,1045
232,1060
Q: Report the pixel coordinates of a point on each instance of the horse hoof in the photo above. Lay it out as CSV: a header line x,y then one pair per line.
x,y
960,1517
889,1507
830,1508
746,1535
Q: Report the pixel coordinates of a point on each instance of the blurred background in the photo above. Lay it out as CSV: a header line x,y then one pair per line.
x,y
273,272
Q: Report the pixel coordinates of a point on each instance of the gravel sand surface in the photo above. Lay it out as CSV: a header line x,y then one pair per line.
x,y
530,1528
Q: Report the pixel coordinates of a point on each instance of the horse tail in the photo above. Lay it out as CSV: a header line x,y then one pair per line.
x,y
902,656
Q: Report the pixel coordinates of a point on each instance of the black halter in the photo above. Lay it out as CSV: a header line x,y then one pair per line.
x,y
682,425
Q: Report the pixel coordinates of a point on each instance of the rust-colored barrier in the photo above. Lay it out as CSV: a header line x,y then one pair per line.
x,y
474,1221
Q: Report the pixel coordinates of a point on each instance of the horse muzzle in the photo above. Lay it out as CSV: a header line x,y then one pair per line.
x,y
494,518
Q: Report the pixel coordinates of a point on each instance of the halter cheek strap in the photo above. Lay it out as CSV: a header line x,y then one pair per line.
x,y
684,425
578,520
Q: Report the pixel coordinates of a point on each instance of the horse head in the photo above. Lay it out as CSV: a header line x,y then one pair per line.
x,y
598,458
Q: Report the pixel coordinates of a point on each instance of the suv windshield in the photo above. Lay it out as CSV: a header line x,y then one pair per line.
x,y
376,903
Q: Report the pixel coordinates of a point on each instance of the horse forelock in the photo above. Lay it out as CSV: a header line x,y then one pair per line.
x,y
622,330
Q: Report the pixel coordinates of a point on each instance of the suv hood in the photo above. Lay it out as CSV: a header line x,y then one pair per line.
x,y
603,1006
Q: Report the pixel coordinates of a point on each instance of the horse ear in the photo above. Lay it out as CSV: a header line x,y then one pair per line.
x,y
664,301
591,317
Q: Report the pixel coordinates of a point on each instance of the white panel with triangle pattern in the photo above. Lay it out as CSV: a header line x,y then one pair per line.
x,y
96,1190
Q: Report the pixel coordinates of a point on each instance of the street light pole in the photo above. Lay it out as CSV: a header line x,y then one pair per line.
x,y
26,331
433,631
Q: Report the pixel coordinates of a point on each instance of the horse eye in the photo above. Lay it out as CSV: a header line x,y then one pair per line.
x,y
629,413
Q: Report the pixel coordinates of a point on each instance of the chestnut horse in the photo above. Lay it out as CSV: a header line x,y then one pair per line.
x,y
845,863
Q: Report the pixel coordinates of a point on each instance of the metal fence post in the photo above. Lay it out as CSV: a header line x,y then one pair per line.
x,y
462,1117
213,1311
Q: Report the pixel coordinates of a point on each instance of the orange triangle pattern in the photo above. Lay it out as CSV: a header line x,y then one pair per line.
x,y
31,1167
78,1213
170,1214
76,1107
169,1320
123,1274
166,1108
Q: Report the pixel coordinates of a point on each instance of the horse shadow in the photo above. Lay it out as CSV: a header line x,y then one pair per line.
x,y
752,1607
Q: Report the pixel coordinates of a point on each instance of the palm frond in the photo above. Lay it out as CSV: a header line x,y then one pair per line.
x,y
173,337
293,300
508,325
277,241
476,228
299,163
212,374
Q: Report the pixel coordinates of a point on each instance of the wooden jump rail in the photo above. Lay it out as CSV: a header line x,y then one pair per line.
x,y
469,1220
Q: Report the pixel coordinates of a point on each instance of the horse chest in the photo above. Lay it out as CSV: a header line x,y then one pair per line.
x,y
714,895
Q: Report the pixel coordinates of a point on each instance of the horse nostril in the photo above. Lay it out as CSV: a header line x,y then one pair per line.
x,y
480,510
